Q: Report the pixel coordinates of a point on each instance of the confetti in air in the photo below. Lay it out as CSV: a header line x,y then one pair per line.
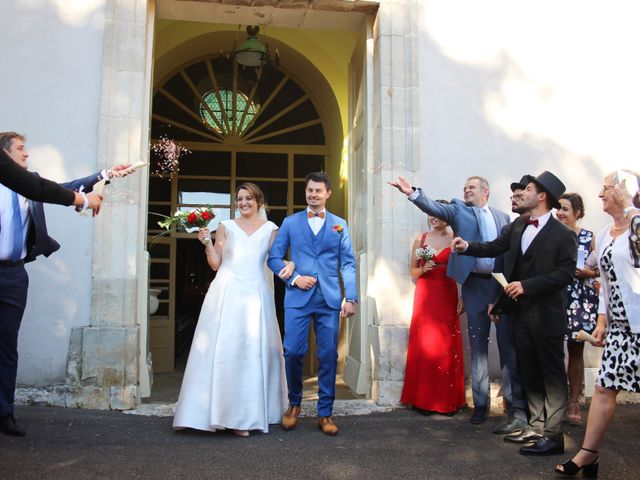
x,y
168,153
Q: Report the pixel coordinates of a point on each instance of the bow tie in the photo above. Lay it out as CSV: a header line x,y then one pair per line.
x,y
535,222
311,214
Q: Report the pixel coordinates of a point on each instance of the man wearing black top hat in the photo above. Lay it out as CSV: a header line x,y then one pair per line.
x,y
540,264
518,414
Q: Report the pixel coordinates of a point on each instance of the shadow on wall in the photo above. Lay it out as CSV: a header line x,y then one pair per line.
x,y
460,139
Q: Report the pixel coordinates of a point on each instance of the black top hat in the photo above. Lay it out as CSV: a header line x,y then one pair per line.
x,y
522,184
552,185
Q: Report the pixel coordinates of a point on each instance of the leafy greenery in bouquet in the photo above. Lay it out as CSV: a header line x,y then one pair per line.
x,y
187,220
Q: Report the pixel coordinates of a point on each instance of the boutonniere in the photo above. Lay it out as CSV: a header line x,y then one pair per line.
x,y
338,228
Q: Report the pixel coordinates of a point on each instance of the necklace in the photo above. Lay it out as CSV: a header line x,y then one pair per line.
x,y
619,229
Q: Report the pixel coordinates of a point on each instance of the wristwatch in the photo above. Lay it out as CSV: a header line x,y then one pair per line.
x,y
351,300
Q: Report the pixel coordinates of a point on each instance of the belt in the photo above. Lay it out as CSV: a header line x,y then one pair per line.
x,y
11,263
480,275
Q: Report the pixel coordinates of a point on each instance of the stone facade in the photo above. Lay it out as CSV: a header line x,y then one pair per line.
x,y
395,152
107,357
107,364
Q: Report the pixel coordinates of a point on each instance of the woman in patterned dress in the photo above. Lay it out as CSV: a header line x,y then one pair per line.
x,y
618,249
582,301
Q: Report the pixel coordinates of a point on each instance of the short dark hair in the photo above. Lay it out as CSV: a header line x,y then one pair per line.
x,y
540,189
576,203
318,177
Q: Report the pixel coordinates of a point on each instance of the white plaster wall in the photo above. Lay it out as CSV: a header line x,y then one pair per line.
x,y
50,86
509,88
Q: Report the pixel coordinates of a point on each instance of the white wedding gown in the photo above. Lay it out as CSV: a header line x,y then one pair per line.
x,y
235,373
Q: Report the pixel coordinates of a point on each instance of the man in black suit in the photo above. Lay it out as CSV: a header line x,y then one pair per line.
x,y
540,264
23,237
518,411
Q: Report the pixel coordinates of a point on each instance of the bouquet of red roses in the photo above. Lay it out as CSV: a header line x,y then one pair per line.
x,y
189,220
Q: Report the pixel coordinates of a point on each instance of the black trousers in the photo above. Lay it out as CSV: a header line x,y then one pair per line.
x,y
14,283
540,358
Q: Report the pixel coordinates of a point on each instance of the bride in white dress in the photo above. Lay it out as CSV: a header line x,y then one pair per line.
x,y
235,377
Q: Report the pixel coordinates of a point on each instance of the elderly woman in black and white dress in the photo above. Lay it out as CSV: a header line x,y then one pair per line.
x,y
618,325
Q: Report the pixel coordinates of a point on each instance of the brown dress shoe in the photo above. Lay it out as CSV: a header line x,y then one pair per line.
x,y
327,426
290,417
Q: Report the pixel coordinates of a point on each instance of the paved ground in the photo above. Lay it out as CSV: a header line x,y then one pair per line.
x,y
84,444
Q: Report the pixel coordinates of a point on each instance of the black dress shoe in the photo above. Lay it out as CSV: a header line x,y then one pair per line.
x,y
526,436
515,425
479,415
545,446
8,426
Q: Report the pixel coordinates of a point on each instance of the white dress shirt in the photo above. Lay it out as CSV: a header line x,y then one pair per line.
x,y
531,231
485,265
6,219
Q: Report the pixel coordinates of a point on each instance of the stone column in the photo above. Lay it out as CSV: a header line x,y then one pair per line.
x,y
103,367
396,220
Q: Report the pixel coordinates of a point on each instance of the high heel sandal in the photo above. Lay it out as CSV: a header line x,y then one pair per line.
x,y
569,468
573,415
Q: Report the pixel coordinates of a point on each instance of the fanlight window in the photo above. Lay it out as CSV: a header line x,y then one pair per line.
x,y
222,103
214,100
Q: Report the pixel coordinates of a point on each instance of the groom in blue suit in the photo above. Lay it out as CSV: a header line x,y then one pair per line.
x,y
320,246
476,219
23,237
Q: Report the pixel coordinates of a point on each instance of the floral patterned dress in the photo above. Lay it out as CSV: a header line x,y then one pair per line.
x,y
582,299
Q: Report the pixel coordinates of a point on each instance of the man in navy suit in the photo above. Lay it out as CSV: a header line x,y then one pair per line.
x,y
474,218
23,237
320,246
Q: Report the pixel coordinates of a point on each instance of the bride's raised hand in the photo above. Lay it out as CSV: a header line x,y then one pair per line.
x,y
287,270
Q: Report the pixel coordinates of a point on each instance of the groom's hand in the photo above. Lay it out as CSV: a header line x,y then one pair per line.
x,y
348,309
304,282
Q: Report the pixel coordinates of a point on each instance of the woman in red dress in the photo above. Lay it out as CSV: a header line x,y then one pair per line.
x,y
434,374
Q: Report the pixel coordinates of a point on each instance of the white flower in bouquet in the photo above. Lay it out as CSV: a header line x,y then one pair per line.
x,y
425,253
189,221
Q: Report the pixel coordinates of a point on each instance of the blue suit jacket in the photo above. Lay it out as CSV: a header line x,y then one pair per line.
x,y
465,222
328,258
38,241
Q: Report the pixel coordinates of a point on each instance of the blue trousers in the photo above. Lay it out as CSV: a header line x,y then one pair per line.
x,y
14,283
479,326
296,332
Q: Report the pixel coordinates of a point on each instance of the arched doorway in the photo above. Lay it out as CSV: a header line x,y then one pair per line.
x,y
240,124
